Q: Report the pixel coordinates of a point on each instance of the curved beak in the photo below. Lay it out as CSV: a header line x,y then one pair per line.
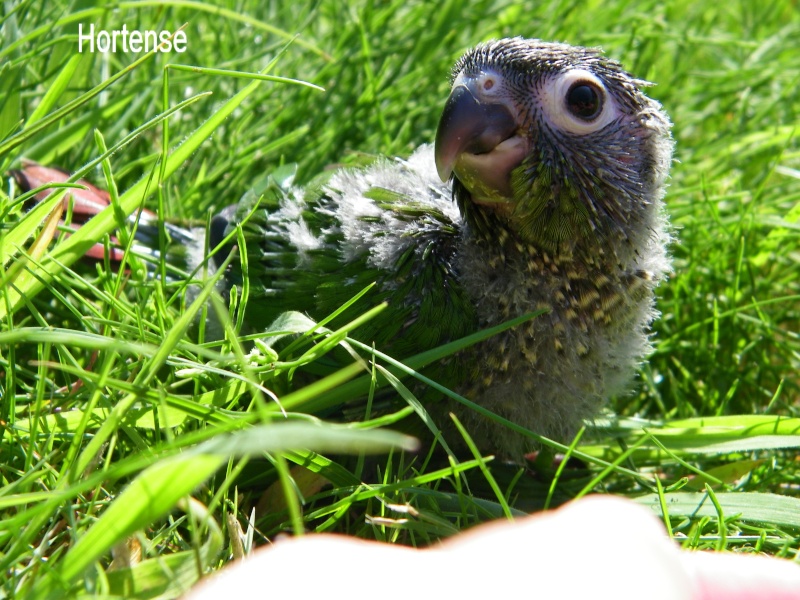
x,y
469,125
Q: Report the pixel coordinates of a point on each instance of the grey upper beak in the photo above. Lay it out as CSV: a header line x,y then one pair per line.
x,y
469,125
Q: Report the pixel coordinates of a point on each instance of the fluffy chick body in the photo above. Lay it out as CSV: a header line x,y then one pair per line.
x,y
550,213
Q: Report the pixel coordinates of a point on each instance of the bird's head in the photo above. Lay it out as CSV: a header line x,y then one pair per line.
x,y
552,143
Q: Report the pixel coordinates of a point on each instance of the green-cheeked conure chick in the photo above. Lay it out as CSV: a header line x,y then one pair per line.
x,y
557,164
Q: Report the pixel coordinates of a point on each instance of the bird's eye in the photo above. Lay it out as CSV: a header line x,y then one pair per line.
x,y
584,100
578,102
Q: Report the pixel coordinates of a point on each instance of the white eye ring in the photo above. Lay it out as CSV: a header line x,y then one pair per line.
x,y
561,115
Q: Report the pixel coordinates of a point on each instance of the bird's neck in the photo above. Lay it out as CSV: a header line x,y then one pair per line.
x,y
500,232
554,226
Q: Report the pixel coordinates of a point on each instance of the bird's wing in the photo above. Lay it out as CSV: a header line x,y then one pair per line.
x,y
393,224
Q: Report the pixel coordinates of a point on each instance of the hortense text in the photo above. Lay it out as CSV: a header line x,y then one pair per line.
x,y
134,40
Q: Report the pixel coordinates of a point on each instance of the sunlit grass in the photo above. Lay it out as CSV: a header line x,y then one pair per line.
x,y
122,428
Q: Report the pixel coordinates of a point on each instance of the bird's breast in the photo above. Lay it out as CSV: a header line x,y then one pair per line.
x,y
587,343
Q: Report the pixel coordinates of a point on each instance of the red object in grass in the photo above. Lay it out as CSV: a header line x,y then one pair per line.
x,y
86,203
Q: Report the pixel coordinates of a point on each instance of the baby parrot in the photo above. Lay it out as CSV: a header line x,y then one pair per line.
x,y
543,191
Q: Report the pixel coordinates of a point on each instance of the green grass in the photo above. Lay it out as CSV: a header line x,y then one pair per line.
x,y
119,429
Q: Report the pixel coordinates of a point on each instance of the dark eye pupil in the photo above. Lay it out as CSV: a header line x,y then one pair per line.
x,y
584,101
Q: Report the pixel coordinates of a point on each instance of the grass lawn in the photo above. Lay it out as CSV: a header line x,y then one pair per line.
x,y
125,433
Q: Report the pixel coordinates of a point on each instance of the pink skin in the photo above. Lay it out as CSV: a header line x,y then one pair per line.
x,y
597,547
